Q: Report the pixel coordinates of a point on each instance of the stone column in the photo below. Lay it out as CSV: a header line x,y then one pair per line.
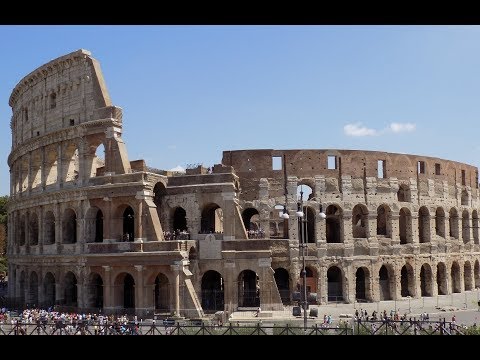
x,y
350,282
58,225
29,180
448,244
108,300
41,231
42,170
176,289
81,287
230,287
41,292
139,290
81,246
59,166
434,277
139,223
415,235
323,284
59,287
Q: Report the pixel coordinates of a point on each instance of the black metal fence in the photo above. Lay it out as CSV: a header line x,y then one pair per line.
x,y
198,327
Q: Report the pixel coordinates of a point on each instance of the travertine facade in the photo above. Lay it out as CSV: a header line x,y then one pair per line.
x,y
87,231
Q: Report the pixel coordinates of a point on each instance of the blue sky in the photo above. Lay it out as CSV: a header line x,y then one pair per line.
x,y
190,92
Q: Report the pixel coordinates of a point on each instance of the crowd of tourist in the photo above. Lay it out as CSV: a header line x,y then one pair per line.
x,y
176,235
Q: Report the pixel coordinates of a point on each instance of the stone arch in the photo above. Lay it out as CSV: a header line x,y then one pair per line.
x,y
212,219
359,221
467,276
308,225
94,225
23,236
70,289
162,293
179,219
49,228
384,221
96,158
33,229
212,291
159,193
475,226
70,162
248,289
333,224
51,164
385,274
362,284
128,220
405,226
442,279
440,222
464,198
453,222
312,280
278,227
49,290
335,284
404,194
465,227
124,291
426,280
33,290
407,281
251,219
304,190
455,277
282,279
423,225
95,291
476,274
69,226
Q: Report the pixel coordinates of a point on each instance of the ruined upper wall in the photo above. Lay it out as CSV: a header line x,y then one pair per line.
x,y
251,165
64,92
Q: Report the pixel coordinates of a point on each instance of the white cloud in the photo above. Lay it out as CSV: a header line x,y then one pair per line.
x,y
178,168
402,127
358,130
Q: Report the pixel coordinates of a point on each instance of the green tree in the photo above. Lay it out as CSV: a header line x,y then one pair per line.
x,y
3,232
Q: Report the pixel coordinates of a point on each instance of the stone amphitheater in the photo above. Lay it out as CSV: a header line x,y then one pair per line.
x,y
88,226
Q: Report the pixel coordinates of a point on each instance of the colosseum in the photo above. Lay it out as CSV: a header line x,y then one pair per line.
x,y
91,229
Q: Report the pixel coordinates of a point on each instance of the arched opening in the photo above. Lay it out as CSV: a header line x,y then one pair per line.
x,y
247,216
125,291
49,290
403,193
69,227
335,284
464,198
465,227
442,279
362,284
162,293
405,226
278,226
95,291
33,290
384,221
179,219
333,224
51,164
23,236
440,222
212,219
467,276
159,192
70,289
99,226
212,291
248,289
308,225
423,225
476,274
49,228
128,224
311,278
359,221
98,161
455,277
70,163
22,288
407,281
426,278
282,279
33,229
453,222
384,276
475,226
304,192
